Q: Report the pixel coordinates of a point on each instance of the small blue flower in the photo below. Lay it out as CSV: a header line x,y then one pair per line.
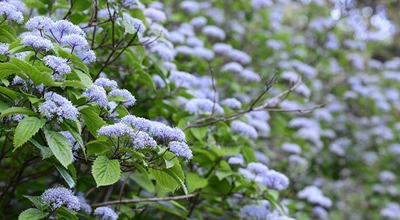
x,y
106,213
130,99
143,140
87,56
96,94
11,12
37,42
74,40
106,83
180,149
39,23
58,64
58,106
116,130
60,196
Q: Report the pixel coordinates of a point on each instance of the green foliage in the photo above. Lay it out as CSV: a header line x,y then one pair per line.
x,y
106,171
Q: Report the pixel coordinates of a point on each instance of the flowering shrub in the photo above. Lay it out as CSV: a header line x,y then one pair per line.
x,y
196,109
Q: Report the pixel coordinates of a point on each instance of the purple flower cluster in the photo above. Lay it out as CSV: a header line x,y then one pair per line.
x,y
59,66
150,131
96,94
37,42
270,178
11,12
62,32
117,130
130,99
60,196
106,83
58,107
180,149
244,129
105,213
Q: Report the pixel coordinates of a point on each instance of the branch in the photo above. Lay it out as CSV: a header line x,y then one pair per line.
x,y
144,200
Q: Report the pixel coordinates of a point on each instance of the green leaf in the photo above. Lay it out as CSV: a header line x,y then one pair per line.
x,y
85,79
65,175
7,33
60,146
105,171
65,213
143,181
92,120
170,179
200,132
34,4
145,78
37,201
44,151
26,129
17,110
248,154
164,180
194,181
32,214
75,130
97,147
31,71
7,69
10,93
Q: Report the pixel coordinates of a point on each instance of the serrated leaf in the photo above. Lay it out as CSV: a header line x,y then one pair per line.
x,y
248,154
194,181
7,33
7,69
106,171
36,200
44,151
145,78
92,120
143,181
32,214
26,129
164,180
17,110
65,213
200,132
60,146
33,73
9,93
65,175
97,147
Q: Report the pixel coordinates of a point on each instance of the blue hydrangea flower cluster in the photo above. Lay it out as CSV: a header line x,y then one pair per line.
x,y
130,99
58,107
96,94
149,133
262,174
63,32
60,196
180,149
244,129
58,65
105,213
11,12
118,130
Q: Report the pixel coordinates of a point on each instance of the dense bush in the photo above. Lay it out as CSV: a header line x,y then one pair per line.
x,y
254,109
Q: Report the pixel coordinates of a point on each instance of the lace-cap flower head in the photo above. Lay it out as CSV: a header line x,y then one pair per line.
x,y
105,213
60,196
58,107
